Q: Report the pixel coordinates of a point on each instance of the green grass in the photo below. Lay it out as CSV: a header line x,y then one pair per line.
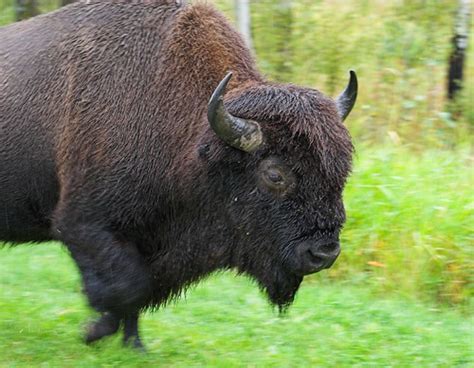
x,y
224,322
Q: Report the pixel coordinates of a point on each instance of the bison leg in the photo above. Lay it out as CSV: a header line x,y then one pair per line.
x,y
109,323
116,278
106,325
130,332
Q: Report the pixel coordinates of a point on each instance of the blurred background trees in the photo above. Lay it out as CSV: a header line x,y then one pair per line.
x,y
26,9
400,49
243,20
410,201
459,47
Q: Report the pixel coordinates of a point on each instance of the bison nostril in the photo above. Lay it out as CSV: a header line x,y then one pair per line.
x,y
329,247
315,257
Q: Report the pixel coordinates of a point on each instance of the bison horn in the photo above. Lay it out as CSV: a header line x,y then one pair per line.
x,y
346,100
242,134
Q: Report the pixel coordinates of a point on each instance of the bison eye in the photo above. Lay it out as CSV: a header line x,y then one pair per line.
x,y
275,177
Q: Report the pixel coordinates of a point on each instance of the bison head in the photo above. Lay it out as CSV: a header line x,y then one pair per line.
x,y
280,161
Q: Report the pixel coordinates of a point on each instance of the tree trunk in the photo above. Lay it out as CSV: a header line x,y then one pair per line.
x,y
25,9
283,24
459,41
242,9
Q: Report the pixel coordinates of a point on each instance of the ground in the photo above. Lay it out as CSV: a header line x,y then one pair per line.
x,y
224,322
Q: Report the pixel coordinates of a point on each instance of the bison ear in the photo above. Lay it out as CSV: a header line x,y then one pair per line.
x,y
245,135
346,100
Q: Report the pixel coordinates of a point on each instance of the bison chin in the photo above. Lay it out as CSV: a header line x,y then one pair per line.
x,y
280,288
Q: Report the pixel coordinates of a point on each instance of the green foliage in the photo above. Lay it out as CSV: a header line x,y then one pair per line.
x,y
399,49
7,9
7,13
273,24
225,322
410,219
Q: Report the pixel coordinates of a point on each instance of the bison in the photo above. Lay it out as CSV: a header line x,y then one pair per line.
x,y
141,135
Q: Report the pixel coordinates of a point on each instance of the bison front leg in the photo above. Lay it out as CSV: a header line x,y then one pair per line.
x,y
131,336
116,278
109,323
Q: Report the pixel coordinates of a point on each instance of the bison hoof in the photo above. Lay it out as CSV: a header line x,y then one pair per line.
x,y
135,343
106,325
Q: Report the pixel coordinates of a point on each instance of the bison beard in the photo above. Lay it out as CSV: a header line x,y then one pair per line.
x,y
108,145
280,287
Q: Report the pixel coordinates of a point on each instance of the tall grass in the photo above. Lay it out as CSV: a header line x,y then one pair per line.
x,y
410,222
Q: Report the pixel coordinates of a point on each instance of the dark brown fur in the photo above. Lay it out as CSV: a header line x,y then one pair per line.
x,y
105,146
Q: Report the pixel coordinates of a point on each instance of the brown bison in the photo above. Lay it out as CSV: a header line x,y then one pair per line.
x,y
109,144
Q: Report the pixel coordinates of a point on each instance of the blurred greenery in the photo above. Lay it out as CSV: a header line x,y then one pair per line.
x,y
408,246
398,48
410,222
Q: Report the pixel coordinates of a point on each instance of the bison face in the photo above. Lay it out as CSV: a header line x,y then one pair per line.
x,y
283,158
315,245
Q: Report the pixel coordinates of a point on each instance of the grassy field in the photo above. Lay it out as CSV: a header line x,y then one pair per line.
x,y
225,322
410,222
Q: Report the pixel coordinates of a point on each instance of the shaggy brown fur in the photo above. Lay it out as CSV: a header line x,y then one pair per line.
x,y
105,146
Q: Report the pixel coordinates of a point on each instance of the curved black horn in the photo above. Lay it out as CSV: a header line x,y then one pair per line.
x,y
242,134
346,100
